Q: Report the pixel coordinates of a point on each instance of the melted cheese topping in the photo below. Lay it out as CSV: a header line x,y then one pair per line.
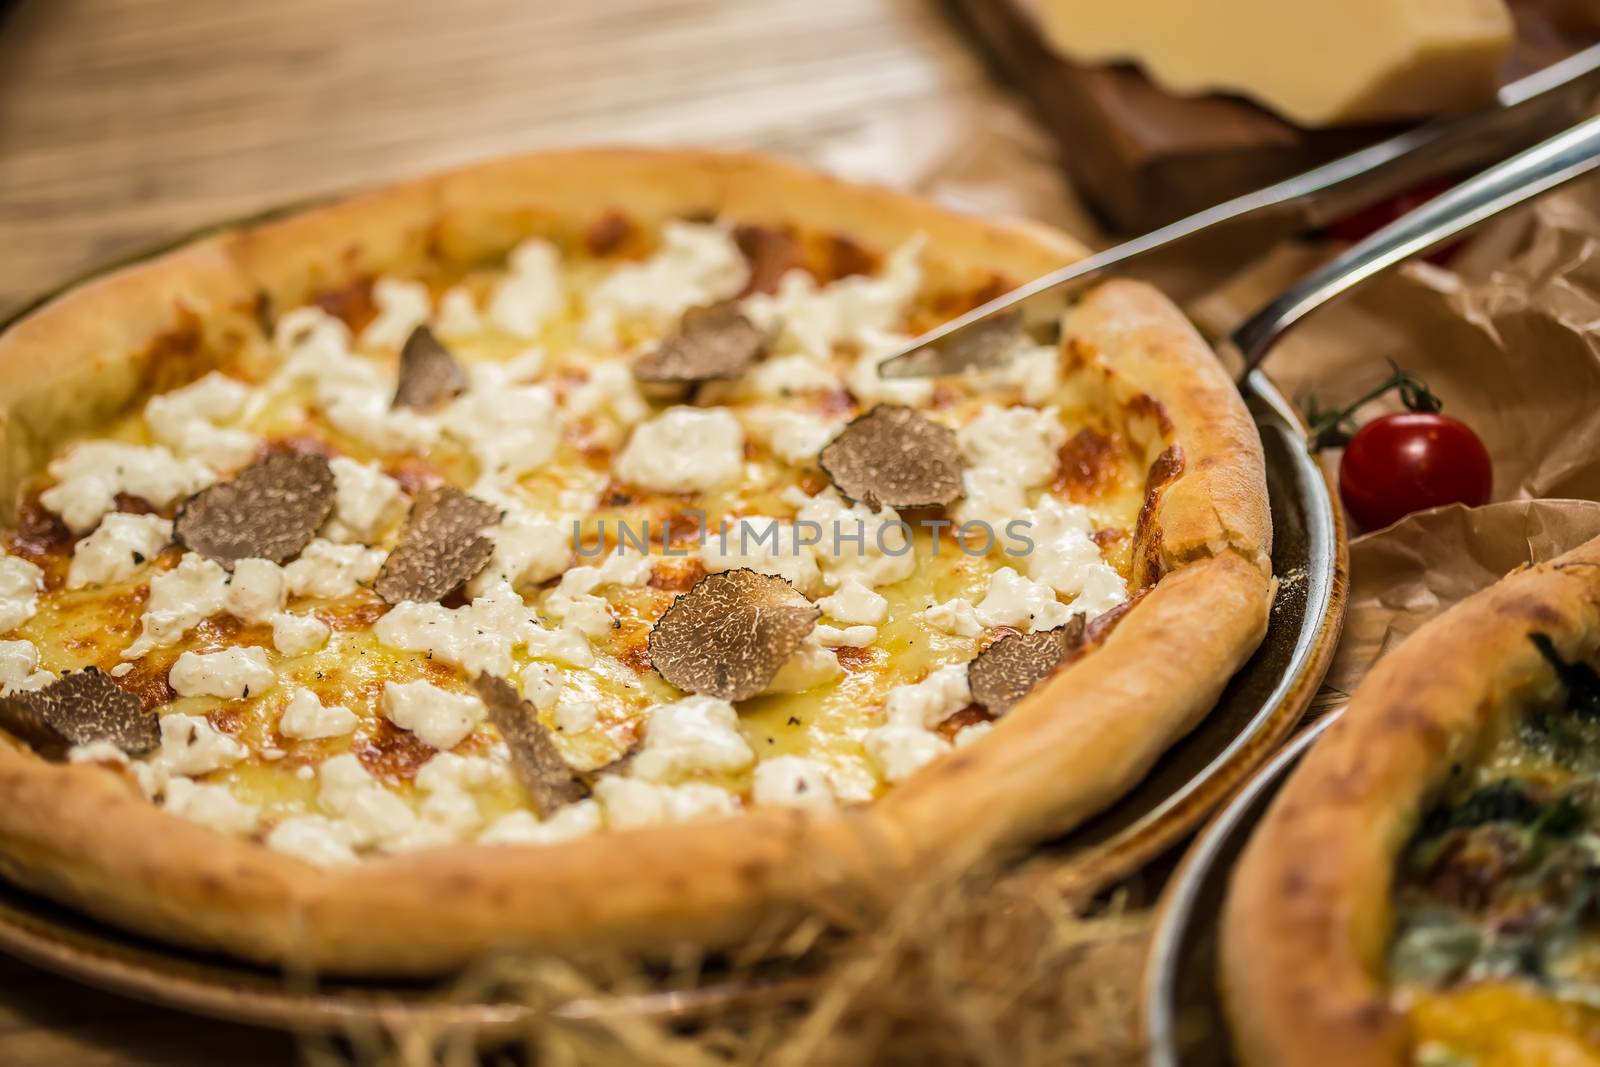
x,y
1503,1025
299,708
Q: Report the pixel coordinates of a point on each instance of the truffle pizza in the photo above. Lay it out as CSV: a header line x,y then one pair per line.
x,y
532,557
1422,890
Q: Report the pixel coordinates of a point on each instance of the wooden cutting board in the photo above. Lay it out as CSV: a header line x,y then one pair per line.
x,y
1142,157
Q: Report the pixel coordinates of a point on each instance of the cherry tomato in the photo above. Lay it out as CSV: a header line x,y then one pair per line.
x,y
1406,462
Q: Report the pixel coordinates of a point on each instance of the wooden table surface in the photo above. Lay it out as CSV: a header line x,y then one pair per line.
x,y
126,122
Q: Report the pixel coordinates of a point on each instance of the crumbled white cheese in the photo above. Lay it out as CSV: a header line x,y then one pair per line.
x,y
447,770
209,805
19,667
520,369
509,429
854,542
695,735
310,334
366,501
231,673
811,665
364,413
631,803
765,545
190,746
696,264
683,450
326,570
180,599
610,389
97,752
796,437
458,313
449,781
854,603
256,592
901,751
786,376
845,636
1033,369
528,550
854,779
931,701
575,715
524,828
955,617
574,600
20,585
810,320
306,718
186,421
906,742
402,307
1017,602
90,475
1008,451
541,685
296,635
1024,441
1065,557
563,646
992,500
313,838
792,782
440,718
355,393
478,637
118,548
368,813
968,734
532,291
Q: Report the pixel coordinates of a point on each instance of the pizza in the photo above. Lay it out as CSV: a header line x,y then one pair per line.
x,y
1422,890
532,557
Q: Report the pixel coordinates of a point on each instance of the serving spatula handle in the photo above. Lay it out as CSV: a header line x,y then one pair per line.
x,y
1546,166
1526,111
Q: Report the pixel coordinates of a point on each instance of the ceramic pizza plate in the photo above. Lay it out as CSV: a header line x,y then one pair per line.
x,y
1259,707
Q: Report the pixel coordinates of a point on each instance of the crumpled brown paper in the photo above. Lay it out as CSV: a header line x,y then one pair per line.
x,y
1403,576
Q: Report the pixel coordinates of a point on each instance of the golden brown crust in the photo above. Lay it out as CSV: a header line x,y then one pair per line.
x,y
82,357
1219,500
1094,730
85,836
1308,916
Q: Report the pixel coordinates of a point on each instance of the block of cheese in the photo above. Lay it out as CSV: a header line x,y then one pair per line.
x,y
1316,62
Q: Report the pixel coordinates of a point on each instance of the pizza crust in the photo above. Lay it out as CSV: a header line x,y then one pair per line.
x,y
1308,916
1068,751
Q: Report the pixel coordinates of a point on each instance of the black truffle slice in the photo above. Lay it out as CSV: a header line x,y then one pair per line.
x,y
1007,670
711,342
429,374
269,510
534,758
441,546
896,456
729,635
77,708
